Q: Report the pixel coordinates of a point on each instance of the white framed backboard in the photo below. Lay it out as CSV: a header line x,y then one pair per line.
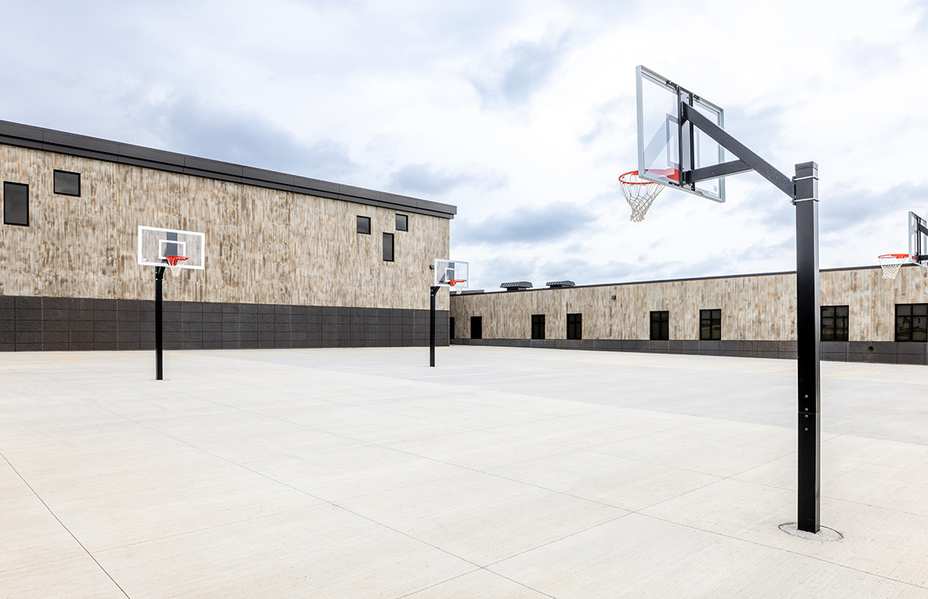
x,y
156,243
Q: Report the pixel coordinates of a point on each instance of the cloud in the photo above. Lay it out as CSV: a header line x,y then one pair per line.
x,y
187,126
425,179
609,117
526,67
527,225
862,207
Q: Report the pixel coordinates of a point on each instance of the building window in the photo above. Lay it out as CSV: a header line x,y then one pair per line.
x,y
710,325
575,326
388,247
451,328
364,225
834,323
15,204
660,325
476,327
538,326
912,322
402,222
67,183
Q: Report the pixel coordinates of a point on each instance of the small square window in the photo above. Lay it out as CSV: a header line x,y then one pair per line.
x,y
388,247
834,323
67,183
364,225
15,204
660,325
402,222
710,325
912,322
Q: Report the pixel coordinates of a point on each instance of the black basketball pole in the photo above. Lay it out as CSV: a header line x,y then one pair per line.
x,y
434,292
159,332
803,190
808,336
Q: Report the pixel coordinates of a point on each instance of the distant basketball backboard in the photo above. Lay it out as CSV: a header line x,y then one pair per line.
x,y
667,151
918,239
450,273
156,245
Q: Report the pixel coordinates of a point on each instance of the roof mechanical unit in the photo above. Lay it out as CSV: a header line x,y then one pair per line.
x,y
516,285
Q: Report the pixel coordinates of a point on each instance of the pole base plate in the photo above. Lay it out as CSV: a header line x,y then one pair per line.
x,y
824,534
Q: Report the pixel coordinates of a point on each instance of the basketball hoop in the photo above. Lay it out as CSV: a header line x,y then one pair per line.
x,y
173,261
891,263
641,193
453,282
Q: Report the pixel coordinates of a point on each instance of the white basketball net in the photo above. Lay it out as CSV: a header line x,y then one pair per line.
x,y
891,263
640,193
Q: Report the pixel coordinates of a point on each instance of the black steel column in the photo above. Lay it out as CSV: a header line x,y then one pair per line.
x,y
159,277
808,336
434,292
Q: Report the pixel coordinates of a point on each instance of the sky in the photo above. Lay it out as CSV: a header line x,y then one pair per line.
x,y
521,114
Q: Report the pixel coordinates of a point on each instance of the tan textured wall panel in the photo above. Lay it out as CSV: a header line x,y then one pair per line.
x,y
754,308
262,245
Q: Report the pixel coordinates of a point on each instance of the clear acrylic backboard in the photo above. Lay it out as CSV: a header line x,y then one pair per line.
x,y
450,273
661,137
155,244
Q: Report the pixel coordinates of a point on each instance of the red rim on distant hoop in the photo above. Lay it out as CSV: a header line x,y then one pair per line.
x,y
174,260
898,256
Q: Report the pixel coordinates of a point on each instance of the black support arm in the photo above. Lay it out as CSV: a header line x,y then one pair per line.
x,y
748,158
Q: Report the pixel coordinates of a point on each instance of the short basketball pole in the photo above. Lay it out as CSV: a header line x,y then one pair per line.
x,y
434,292
808,347
159,329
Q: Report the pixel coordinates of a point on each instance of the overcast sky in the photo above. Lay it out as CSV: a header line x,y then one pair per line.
x,y
520,113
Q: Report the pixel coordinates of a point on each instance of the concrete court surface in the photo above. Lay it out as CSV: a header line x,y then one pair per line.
x,y
502,473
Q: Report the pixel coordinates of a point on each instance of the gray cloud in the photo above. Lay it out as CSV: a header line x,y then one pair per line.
x,y
425,179
186,126
859,208
535,224
526,67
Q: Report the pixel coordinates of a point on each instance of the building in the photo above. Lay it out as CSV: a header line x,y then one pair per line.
x,y
863,316
290,261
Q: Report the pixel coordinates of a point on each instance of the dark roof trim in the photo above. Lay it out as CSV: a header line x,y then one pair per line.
x,y
49,140
657,281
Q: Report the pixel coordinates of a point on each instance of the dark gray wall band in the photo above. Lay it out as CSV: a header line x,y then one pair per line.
x,y
63,324
885,352
50,140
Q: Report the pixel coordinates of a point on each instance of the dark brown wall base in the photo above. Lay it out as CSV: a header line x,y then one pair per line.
x,y
887,352
62,324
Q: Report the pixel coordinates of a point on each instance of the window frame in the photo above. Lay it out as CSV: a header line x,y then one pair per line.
x,y
6,203
832,331
707,318
538,330
405,227
909,336
358,220
392,238
663,325
575,326
55,174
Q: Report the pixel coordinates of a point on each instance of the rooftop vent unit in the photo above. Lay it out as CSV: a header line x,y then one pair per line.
x,y
560,284
516,285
